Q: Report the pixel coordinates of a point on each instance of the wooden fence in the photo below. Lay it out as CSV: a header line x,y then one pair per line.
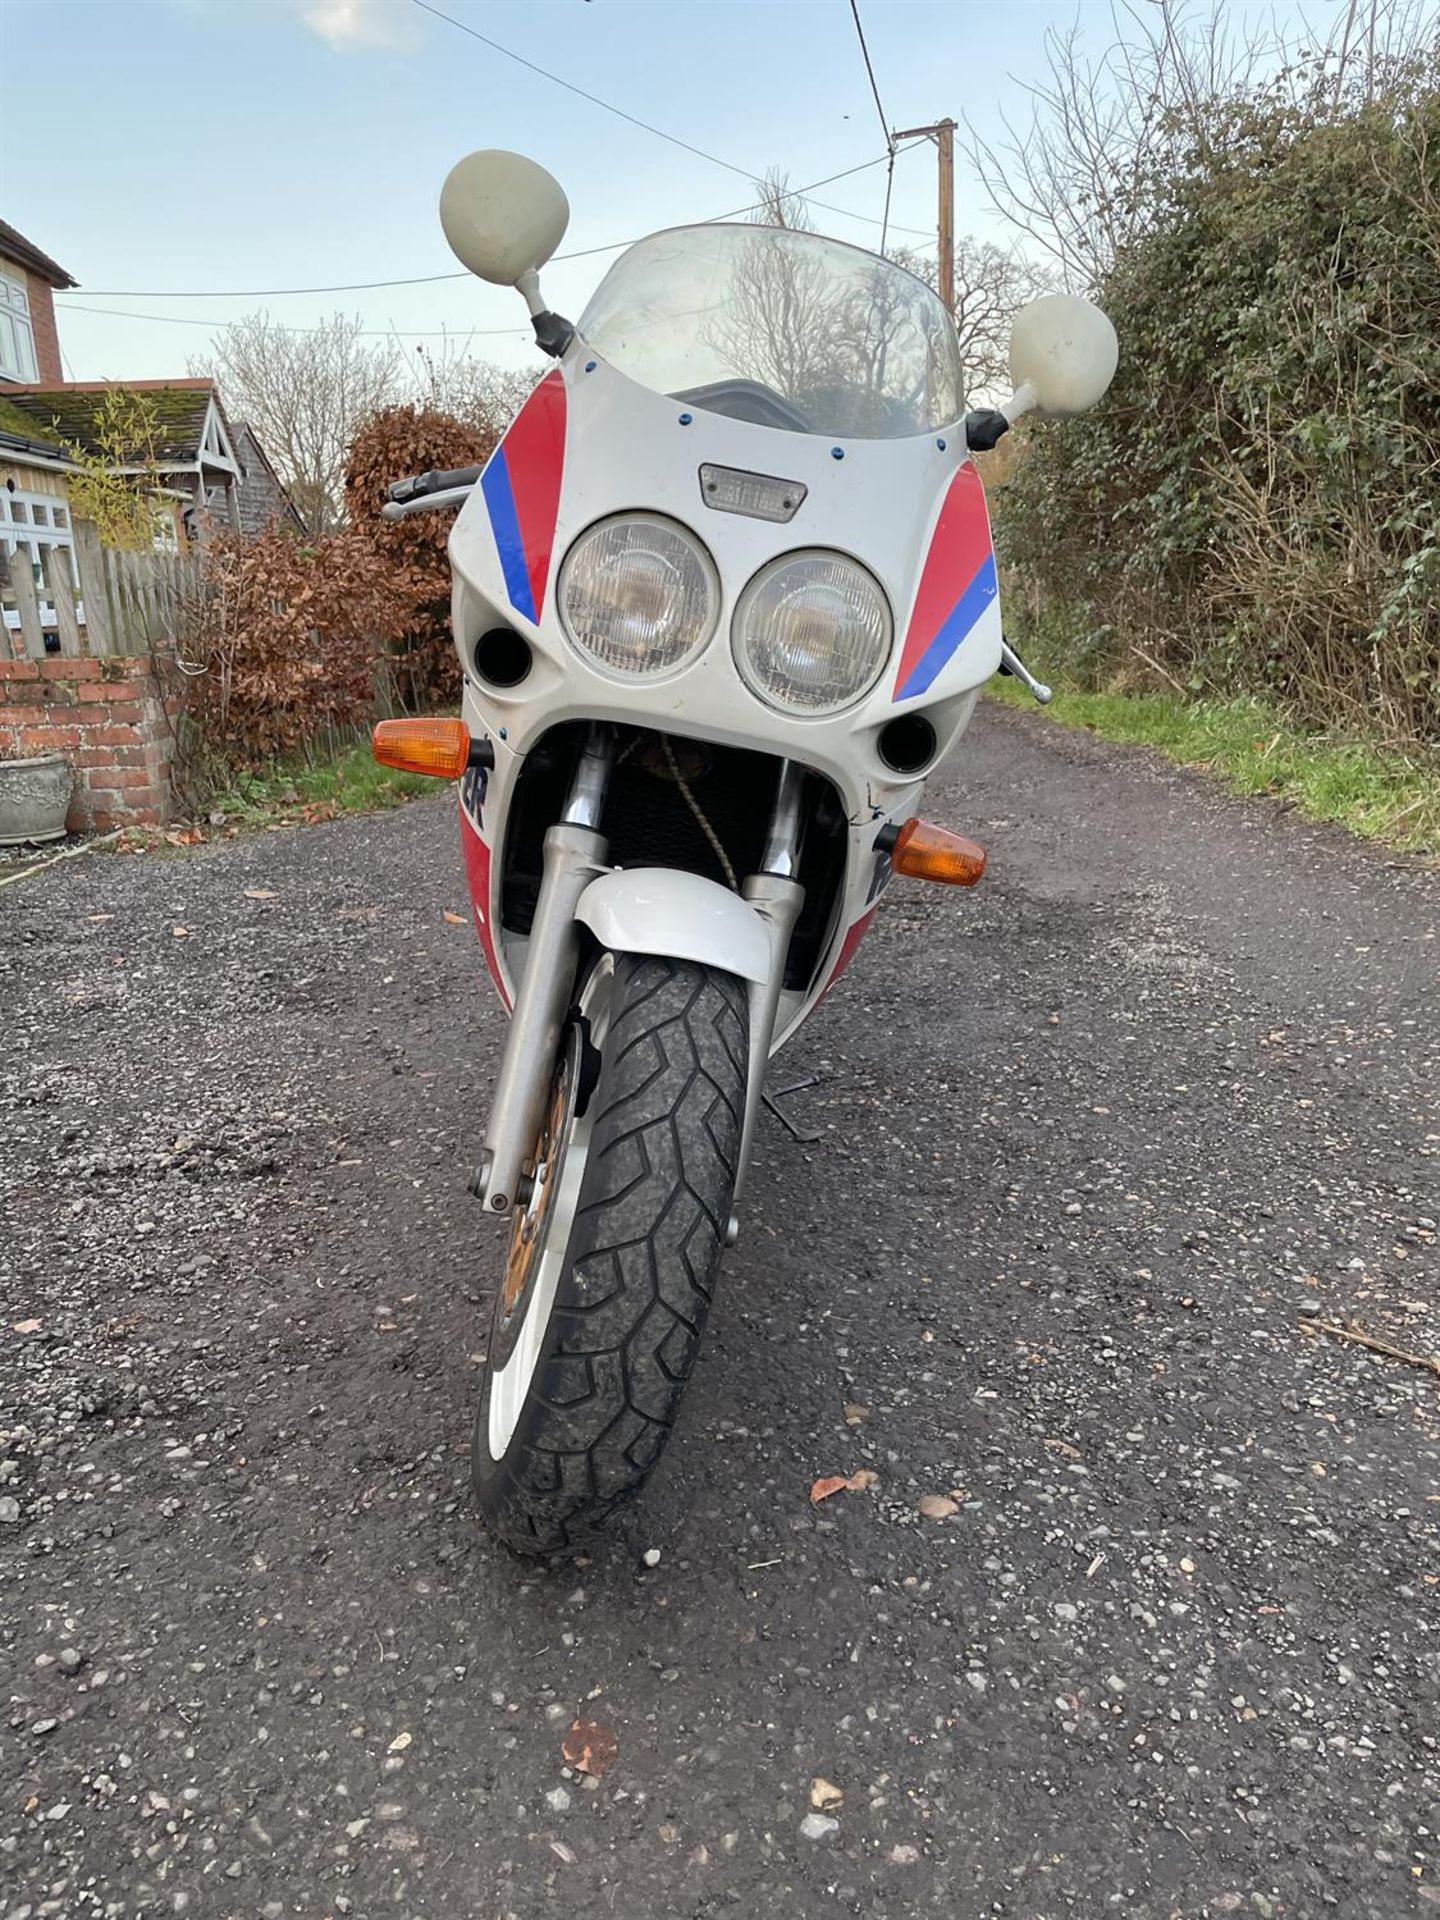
x,y
94,600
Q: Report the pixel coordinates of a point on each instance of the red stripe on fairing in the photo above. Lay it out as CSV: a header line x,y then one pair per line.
x,y
959,547
535,458
477,874
855,933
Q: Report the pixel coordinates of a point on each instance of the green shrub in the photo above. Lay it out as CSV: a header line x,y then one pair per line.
x,y
1254,505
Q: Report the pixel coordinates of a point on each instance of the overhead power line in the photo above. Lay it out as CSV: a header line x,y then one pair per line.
x,y
885,133
570,87
423,279
461,332
745,173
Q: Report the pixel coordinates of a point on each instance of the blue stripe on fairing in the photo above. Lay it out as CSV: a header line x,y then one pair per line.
x,y
958,623
500,502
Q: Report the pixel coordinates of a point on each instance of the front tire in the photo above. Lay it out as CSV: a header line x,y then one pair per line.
x,y
599,1314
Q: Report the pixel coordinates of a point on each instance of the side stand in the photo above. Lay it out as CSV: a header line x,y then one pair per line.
x,y
804,1135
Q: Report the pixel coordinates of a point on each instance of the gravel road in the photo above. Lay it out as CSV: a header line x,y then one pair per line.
x,y
1096,1139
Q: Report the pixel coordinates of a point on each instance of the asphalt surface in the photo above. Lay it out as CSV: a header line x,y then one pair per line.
x,y
1096,1138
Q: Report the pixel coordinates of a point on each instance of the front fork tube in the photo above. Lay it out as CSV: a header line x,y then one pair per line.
x,y
574,856
575,853
777,896
778,902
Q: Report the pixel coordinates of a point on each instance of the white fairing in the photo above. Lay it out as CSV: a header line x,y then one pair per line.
x,y
894,505
626,449
664,910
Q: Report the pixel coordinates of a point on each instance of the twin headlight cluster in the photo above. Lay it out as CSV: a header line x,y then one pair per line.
x,y
639,596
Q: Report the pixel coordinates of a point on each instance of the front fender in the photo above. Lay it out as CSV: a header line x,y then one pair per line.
x,y
684,916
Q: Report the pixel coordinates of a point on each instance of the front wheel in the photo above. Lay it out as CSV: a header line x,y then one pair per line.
x,y
613,1258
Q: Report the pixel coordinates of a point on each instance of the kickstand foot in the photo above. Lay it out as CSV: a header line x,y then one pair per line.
x,y
805,1135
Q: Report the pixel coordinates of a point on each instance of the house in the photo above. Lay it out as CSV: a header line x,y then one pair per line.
x,y
34,503
34,512
29,344
262,494
171,437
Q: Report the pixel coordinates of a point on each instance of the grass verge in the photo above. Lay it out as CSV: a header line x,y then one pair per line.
x,y
292,793
318,787
1380,793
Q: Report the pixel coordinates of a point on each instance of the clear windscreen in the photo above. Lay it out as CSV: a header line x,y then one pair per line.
x,y
784,329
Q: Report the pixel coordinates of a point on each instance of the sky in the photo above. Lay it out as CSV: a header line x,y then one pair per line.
x,y
233,148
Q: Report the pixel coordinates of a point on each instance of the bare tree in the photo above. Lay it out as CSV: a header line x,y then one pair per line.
x,y
476,392
776,205
991,286
1078,173
305,392
1070,178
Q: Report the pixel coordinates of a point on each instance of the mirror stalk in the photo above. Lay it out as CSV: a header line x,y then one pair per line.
x,y
528,287
552,334
1024,400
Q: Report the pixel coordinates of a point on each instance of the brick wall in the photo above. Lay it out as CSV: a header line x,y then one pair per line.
x,y
110,719
42,319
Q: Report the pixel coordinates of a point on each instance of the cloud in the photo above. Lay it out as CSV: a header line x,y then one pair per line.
x,y
357,23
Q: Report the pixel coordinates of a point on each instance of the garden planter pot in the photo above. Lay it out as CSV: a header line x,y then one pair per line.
x,y
34,798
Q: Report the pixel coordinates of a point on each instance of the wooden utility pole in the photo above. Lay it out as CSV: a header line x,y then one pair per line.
x,y
943,134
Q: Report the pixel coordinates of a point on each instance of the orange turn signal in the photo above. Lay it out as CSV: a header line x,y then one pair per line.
x,y
441,747
927,852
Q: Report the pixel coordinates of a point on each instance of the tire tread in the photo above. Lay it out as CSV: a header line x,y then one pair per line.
x,y
647,1237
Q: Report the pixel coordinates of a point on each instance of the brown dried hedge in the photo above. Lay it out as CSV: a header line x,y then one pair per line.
x,y
399,441
297,638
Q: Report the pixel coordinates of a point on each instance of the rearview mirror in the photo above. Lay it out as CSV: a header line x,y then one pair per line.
x,y
503,214
1063,354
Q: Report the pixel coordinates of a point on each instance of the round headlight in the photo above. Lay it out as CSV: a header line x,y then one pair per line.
x,y
812,633
638,595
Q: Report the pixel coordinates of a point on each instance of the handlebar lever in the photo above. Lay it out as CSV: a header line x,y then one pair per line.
x,y
437,480
426,503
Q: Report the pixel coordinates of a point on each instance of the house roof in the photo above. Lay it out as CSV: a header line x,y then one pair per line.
x,y
16,424
248,448
15,246
21,438
71,412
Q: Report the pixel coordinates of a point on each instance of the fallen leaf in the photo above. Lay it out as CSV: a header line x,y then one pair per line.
x,y
260,893
842,1483
399,1743
855,1414
824,1794
936,1506
1063,1446
589,1747
454,919
26,1326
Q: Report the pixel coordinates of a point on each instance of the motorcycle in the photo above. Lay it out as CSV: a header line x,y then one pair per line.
x,y
724,595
